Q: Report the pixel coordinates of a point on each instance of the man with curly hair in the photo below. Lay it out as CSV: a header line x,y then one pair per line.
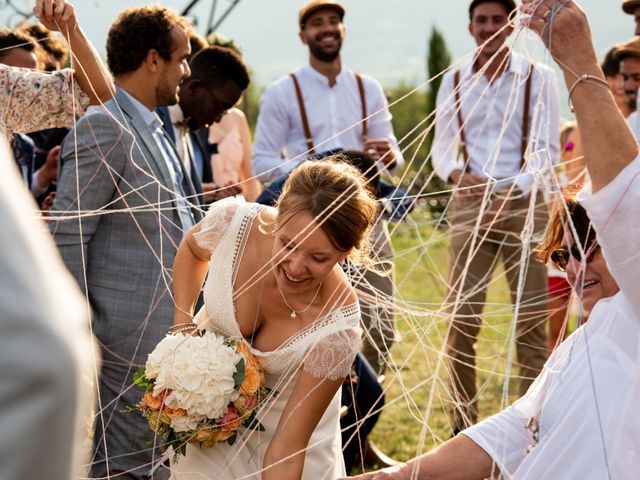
x,y
123,201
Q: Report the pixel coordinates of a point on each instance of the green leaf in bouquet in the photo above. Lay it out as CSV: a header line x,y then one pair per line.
x,y
238,377
135,409
232,439
139,379
178,443
252,423
264,392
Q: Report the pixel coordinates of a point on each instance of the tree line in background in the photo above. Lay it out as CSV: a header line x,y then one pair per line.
x,y
413,109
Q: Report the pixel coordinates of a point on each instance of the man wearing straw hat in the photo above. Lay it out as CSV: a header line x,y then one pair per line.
x,y
323,108
335,101
496,119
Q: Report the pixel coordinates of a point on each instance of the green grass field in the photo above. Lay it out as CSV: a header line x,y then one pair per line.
x,y
414,419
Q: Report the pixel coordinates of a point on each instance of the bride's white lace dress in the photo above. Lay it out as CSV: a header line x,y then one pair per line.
x,y
324,349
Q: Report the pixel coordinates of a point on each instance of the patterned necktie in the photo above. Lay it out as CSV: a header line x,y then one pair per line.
x,y
186,216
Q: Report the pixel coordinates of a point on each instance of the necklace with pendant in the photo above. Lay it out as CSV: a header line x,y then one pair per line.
x,y
294,312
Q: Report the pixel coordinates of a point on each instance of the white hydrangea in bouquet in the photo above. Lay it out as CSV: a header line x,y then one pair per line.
x,y
201,389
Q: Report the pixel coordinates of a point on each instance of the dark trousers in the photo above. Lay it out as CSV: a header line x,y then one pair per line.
x,y
364,399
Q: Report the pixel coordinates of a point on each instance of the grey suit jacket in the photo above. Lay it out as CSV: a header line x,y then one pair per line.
x,y
121,246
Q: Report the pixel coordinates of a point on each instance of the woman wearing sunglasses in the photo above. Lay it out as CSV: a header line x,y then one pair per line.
x,y
579,419
571,245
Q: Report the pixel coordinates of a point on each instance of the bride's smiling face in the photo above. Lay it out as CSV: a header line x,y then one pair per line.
x,y
303,254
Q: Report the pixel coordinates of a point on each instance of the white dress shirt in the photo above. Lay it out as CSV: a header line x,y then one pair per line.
x,y
586,398
334,114
181,134
493,118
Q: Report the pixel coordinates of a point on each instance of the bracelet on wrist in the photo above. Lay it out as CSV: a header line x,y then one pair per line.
x,y
182,328
585,77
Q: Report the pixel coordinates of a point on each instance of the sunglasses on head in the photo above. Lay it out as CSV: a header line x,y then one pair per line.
x,y
560,257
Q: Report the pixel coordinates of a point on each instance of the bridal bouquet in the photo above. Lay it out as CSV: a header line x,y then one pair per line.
x,y
201,389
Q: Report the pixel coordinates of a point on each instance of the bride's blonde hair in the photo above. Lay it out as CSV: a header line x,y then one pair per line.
x,y
336,195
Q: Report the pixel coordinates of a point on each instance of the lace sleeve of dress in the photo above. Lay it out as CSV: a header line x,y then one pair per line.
x,y
37,100
333,355
216,222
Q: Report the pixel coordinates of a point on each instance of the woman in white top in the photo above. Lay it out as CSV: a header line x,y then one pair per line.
x,y
579,419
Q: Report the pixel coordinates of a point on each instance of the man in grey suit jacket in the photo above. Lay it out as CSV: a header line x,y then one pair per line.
x,y
123,205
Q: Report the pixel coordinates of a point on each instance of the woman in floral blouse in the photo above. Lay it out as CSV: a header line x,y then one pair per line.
x,y
31,100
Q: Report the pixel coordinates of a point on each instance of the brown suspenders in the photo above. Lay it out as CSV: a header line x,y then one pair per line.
x,y
463,139
525,117
303,114
363,102
305,120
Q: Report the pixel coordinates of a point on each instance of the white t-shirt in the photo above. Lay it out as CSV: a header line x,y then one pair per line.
x,y
586,398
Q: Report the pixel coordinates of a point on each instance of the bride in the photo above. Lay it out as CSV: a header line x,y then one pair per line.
x,y
273,276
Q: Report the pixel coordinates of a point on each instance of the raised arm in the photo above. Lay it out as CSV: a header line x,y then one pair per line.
x,y
91,73
609,144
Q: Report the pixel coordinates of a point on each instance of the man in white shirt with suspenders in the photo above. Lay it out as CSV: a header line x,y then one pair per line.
x,y
492,130
322,106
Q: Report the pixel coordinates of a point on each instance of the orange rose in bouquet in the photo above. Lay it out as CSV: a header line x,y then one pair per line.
x,y
246,403
253,374
151,401
209,436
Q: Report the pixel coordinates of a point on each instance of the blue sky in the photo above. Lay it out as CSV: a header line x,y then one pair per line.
x,y
384,39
